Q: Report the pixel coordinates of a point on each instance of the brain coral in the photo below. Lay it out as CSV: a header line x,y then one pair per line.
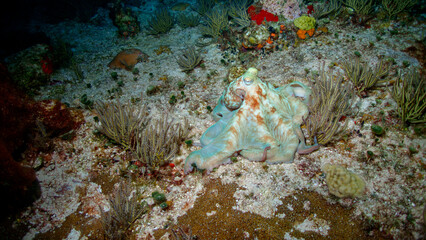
x,y
343,183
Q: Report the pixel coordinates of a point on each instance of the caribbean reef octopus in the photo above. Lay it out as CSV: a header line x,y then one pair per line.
x,y
257,121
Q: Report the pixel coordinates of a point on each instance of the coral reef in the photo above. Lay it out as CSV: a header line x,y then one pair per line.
x,y
342,183
258,120
255,37
31,68
127,59
125,20
246,105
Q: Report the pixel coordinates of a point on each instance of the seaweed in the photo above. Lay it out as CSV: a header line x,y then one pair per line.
x,y
216,22
360,7
183,233
75,67
327,8
158,142
120,122
152,142
203,6
161,22
393,7
363,10
186,21
364,77
238,11
189,59
410,94
329,102
124,211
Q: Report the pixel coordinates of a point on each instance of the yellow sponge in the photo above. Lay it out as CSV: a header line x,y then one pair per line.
x,y
305,22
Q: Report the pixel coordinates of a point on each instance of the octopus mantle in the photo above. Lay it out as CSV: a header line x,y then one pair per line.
x,y
256,120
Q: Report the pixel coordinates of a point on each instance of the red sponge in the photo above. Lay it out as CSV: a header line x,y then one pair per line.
x,y
261,16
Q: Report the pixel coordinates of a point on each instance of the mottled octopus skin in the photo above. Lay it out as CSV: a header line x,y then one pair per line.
x,y
255,120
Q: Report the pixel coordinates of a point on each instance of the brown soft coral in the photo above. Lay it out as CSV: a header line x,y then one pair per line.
x,y
127,59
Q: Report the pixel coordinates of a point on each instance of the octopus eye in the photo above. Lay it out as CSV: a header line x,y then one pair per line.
x,y
248,81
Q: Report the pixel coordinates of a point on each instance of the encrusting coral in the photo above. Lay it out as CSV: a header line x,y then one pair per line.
x,y
343,183
255,120
127,59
